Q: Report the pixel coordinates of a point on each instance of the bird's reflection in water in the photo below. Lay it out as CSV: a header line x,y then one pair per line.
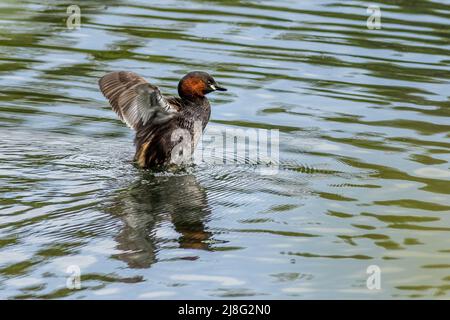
x,y
150,202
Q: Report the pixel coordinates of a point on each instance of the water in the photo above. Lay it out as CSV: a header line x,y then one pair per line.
x,y
364,152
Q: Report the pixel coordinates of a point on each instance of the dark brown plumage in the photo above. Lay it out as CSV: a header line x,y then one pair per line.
x,y
161,123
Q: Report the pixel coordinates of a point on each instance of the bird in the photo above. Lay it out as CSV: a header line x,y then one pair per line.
x,y
167,127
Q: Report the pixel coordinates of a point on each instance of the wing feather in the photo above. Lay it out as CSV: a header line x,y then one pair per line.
x,y
136,101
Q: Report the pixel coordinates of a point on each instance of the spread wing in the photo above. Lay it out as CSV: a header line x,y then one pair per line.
x,y
135,101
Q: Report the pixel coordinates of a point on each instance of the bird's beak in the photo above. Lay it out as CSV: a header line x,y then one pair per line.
x,y
216,87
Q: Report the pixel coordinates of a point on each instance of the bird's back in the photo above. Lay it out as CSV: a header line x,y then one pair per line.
x,y
156,142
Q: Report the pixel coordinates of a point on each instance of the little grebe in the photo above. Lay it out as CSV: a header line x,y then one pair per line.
x,y
155,117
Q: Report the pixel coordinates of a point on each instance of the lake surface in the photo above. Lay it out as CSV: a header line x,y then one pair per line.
x,y
364,149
